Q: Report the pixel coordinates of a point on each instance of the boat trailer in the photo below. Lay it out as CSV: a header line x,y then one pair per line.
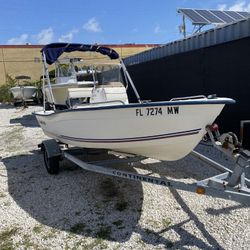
x,y
231,184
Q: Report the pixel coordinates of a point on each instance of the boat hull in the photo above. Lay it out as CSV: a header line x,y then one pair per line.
x,y
165,131
24,92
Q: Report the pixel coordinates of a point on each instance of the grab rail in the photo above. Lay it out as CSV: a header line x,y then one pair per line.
x,y
188,97
98,103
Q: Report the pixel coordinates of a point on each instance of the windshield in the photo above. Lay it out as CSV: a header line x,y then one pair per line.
x,y
108,73
100,74
64,70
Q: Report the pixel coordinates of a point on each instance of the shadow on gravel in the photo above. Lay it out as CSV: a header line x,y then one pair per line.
x,y
190,239
26,121
75,200
177,170
97,206
6,106
193,168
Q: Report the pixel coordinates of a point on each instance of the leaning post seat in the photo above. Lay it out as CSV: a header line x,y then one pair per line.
x,y
115,91
79,92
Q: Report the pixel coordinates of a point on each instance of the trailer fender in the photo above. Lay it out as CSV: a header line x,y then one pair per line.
x,y
52,148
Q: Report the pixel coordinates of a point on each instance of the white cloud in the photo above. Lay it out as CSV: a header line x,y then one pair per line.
x,y
158,29
68,37
222,7
45,36
23,39
237,6
92,25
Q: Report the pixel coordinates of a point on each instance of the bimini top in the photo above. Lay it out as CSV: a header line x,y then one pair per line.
x,y
54,50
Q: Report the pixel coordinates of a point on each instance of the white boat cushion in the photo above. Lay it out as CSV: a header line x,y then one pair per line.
x,y
79,92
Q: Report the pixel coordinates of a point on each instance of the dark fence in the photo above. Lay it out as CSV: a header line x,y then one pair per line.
x,y
221,69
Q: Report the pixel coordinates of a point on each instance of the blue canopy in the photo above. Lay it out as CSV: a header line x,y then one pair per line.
x,y
54,50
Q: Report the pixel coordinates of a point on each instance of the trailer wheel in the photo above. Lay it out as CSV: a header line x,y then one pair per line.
x,y
51,164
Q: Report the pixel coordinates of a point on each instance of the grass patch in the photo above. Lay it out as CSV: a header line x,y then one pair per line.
x,y
37,229
27,243
79,245
169,244
96,244
118,223
51,234
2,195
6,238
7,204
109,188
88,231
77,228
104,232
121,205
140,241
8,233
166,222
7,245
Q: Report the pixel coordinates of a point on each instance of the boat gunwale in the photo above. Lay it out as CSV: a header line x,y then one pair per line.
x,y
142,105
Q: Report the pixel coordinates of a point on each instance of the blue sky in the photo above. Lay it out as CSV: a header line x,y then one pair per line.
x,y
103,22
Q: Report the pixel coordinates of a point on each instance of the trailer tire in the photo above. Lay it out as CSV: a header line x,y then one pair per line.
x,y
51,164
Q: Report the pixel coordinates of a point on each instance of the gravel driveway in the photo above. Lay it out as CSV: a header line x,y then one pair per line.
x,y
83,210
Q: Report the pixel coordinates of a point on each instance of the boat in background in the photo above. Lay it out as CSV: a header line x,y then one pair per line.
x,y
69,73
99,115
23,93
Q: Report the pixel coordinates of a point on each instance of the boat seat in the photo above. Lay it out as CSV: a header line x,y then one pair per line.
x,y
79,92
114,91
111,84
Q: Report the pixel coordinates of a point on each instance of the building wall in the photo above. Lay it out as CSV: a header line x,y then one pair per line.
x,y
21,59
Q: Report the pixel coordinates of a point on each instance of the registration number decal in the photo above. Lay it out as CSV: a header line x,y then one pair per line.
x,y
157,111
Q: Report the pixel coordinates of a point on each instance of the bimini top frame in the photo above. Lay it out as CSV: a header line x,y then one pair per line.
x,y
54,50
51,52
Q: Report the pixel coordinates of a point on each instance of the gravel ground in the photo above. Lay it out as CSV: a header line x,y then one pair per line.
x,y
82,210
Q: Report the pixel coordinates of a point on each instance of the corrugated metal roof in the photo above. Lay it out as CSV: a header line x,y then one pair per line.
x,y
222,34
128,45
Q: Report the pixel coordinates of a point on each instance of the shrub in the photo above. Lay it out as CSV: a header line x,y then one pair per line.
x,y
5,94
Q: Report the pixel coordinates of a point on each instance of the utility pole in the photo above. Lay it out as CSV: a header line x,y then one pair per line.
x,y
4,66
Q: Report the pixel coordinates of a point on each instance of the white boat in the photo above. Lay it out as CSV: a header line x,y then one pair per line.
x,y
101,116
22,93
69,73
